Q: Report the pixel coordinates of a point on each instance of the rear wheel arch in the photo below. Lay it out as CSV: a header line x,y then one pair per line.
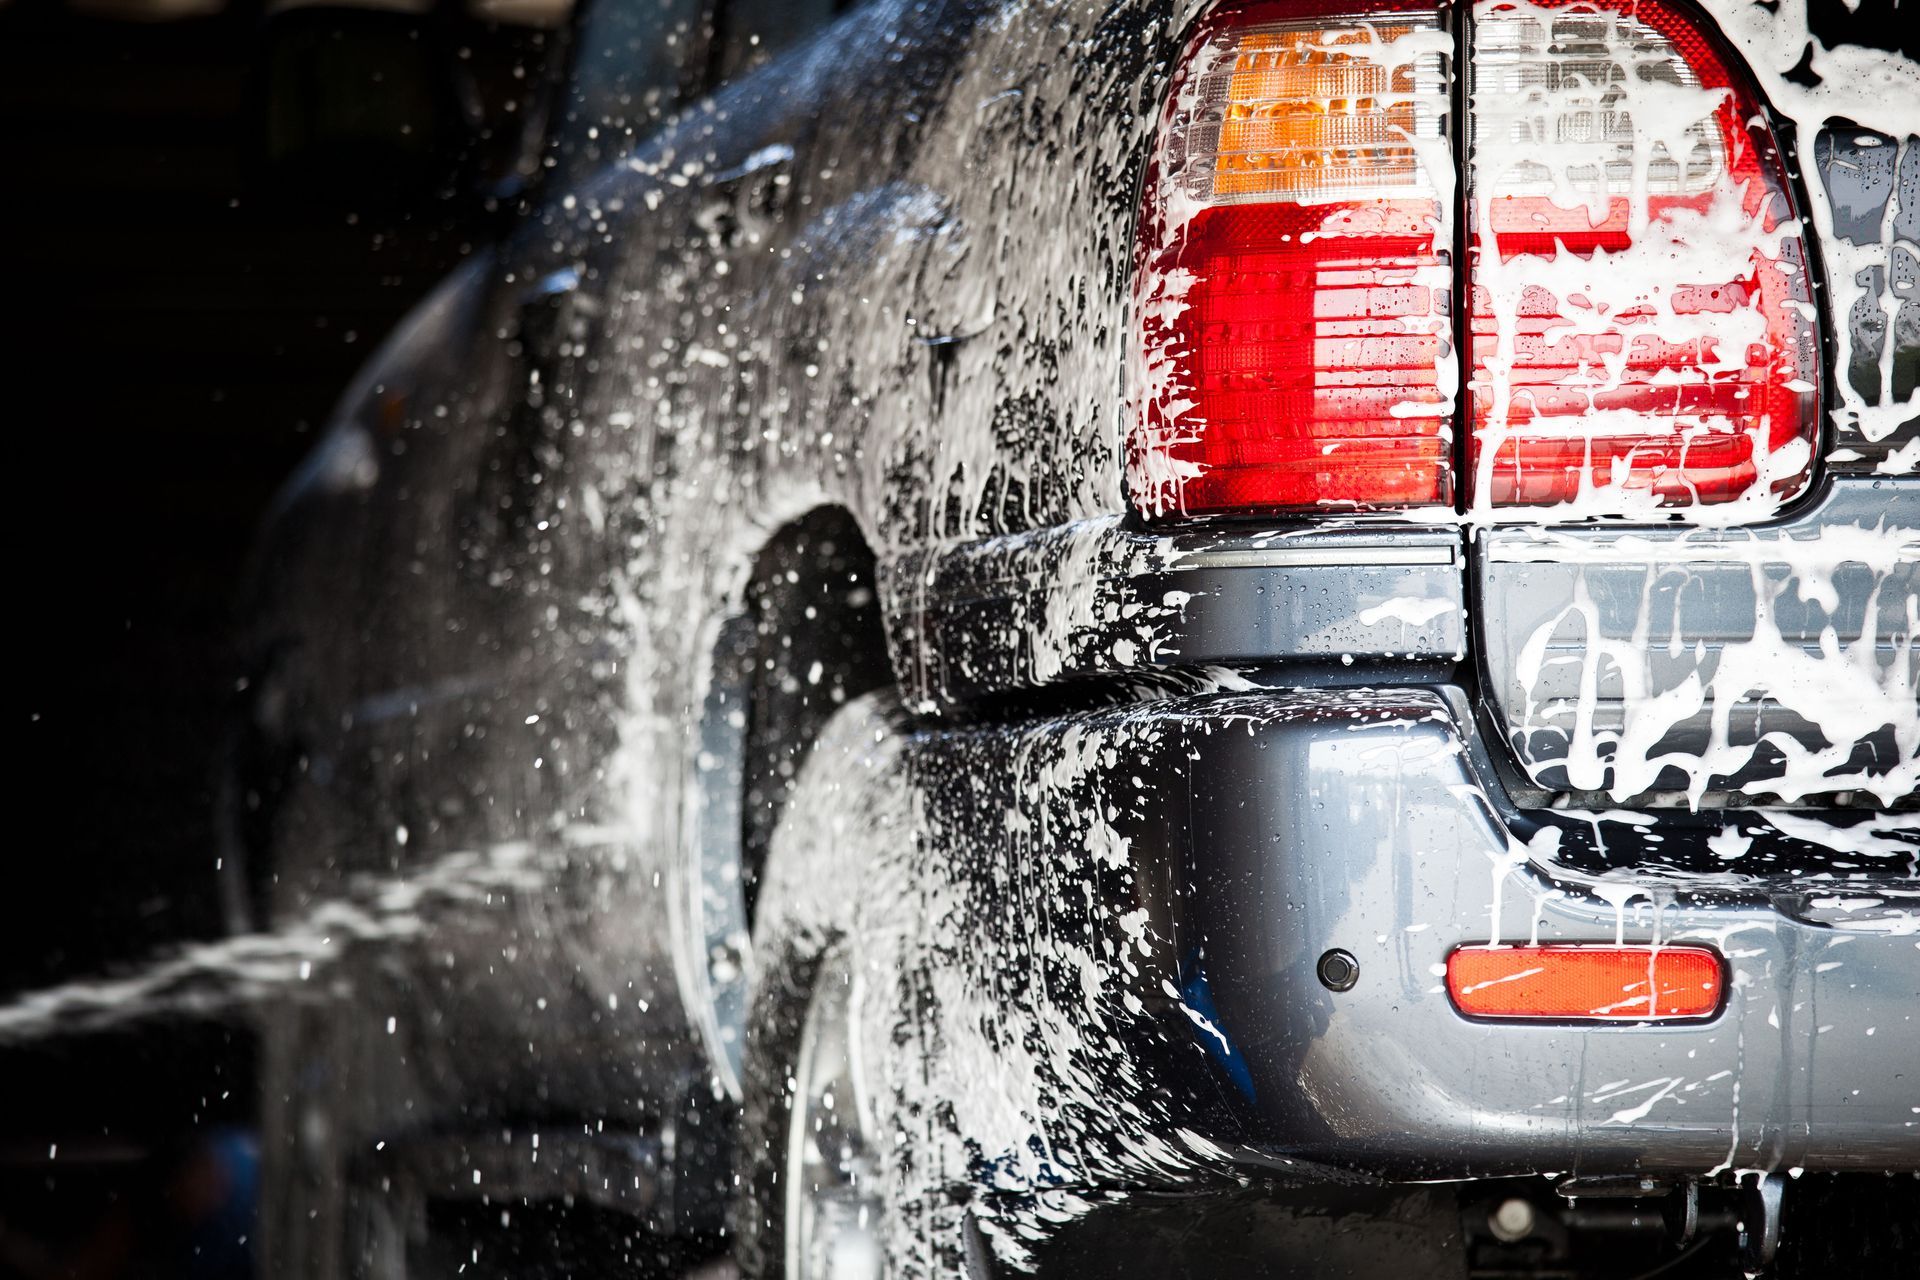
x,y
819,643
802,638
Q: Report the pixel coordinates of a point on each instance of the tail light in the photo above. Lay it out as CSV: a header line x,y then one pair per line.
x,y
1639,324
1572,983
1293,266
1640,327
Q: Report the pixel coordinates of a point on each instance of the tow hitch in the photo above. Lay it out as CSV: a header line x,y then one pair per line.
x,y
1625,1226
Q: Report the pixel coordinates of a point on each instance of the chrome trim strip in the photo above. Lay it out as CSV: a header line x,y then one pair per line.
x,y
1334,557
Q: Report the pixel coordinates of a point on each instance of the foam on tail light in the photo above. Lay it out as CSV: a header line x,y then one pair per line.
x,y
1292,270
1640,332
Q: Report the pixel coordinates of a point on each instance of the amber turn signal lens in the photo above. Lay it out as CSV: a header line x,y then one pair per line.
x,y
1573,983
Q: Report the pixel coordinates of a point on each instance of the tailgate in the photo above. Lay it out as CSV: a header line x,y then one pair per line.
x,y
1760,665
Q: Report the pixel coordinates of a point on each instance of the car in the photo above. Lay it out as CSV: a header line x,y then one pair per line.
x,y
1119,638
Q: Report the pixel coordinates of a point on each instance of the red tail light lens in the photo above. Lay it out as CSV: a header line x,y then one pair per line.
x,y
1640,328
1292,271
1585,983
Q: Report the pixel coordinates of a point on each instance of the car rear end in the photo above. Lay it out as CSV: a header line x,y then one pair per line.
x,y
1526,490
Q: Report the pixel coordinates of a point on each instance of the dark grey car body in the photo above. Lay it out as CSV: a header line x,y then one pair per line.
x,y
825,381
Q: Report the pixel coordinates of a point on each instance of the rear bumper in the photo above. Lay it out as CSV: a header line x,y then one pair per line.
x,y
1265,829
1368,831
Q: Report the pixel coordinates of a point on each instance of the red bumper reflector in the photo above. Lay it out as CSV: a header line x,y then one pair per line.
x,y
1586,983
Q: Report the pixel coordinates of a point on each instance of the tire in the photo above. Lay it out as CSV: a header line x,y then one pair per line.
x,y
775,1025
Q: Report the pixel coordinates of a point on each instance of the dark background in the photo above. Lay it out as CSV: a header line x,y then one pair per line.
x,y
174,339
184,339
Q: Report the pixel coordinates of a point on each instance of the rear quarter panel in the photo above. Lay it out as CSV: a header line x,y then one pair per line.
x,y
886,271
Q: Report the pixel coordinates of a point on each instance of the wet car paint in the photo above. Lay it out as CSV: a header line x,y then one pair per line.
x,y
889,273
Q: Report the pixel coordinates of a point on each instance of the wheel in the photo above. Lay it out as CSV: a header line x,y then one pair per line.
x,y
833,1208
812,1207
